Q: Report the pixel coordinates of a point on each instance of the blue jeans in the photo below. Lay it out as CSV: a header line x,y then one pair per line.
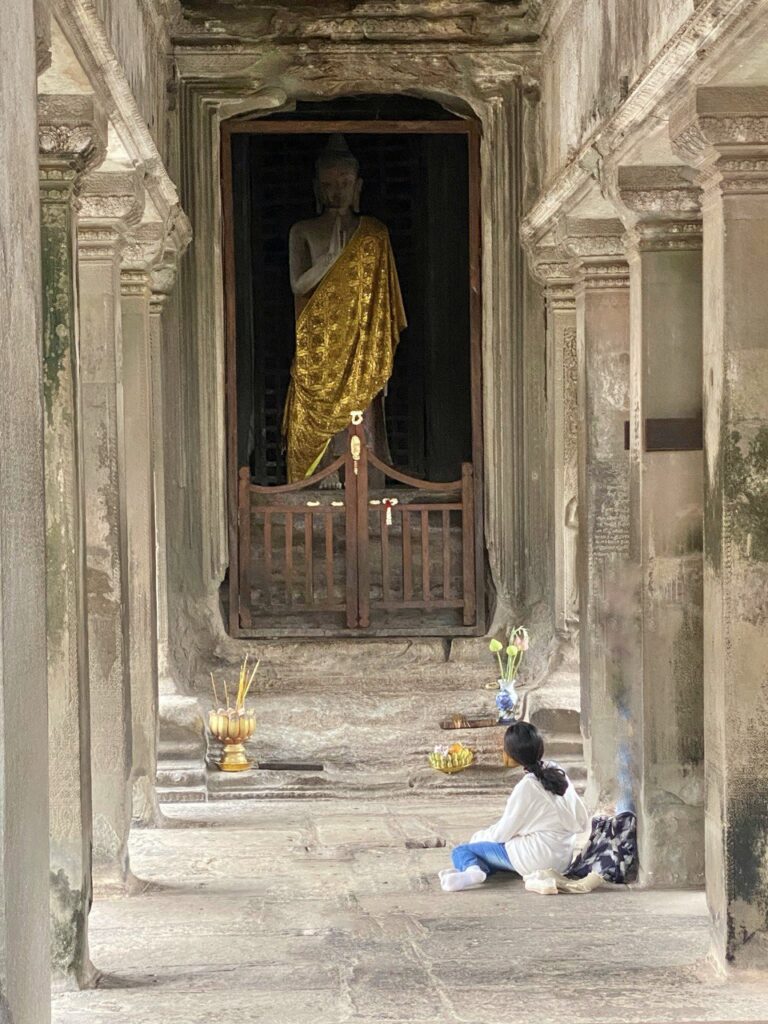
x,y
489,857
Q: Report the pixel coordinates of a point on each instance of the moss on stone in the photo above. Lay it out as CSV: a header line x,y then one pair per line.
x,y
746,489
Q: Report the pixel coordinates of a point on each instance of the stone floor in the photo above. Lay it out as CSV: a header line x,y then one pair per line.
x,y
329,912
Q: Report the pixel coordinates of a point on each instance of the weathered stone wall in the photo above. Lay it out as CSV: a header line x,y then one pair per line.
x,y
594,51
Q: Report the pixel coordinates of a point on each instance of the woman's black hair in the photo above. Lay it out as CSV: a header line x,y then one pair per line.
x,y
523,743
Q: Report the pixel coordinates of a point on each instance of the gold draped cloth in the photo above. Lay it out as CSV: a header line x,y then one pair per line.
x,y
346,337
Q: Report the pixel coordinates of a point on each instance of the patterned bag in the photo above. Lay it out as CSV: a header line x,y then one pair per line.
x,y
611,851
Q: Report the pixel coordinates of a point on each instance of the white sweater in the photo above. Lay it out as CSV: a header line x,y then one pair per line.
x,y
539,830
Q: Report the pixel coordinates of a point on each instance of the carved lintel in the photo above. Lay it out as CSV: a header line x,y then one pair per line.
x,y
72,132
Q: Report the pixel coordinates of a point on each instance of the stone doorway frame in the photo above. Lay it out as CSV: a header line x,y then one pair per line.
x,y
492,85
469,129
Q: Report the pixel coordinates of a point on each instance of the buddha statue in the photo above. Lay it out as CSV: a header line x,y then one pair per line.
x,y
349,316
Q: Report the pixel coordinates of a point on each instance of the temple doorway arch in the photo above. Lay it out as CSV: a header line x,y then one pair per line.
x,y
403,553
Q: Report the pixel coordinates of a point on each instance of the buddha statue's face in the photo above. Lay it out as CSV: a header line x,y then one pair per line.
x,y
338,185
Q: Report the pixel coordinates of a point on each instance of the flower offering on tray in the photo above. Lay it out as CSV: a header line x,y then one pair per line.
x,y
454,758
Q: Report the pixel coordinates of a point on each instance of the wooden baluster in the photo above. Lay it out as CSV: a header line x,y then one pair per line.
x,y
245,596
363,563
384,555
268,555
407,560
426,594
350,513
468,542
309,587
329,582
446,555
289,558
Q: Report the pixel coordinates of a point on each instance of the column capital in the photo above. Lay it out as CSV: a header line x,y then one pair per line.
x,y
723,132
112,198
72,137
598,251
662,207
551,266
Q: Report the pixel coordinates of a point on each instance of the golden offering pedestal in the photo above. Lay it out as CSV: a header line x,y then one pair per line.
x,y
233,728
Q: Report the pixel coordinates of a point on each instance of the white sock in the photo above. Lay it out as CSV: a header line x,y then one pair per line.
x,y
446,872
466,879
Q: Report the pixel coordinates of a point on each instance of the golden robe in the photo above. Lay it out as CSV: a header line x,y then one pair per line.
x,y
346,337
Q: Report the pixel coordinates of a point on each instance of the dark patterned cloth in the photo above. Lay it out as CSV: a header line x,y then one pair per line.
x,y
611,851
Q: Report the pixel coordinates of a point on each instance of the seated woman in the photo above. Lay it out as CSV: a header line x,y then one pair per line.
x,y
538,831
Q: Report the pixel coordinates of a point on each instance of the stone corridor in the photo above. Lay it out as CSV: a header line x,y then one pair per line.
x,y
329,911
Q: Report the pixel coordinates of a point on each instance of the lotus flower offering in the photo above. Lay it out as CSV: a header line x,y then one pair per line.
x,y
451,759
233,726
516,646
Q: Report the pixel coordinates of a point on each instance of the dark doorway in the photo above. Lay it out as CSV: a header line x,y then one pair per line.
x,y
417,184
420,167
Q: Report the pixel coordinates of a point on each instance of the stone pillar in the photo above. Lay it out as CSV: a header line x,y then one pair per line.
x,y
161,282
725,131
24,865
555,273
69,137
666,467
607,583
107,202
136,291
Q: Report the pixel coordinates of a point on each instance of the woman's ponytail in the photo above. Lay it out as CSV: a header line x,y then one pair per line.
x,y
552,778
523,743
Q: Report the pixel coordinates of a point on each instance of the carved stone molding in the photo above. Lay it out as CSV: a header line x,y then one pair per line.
x,y
134,282
144,247
561,295
661,191
82,24
724,132
112,197
72,133
671,235
705,34
98,242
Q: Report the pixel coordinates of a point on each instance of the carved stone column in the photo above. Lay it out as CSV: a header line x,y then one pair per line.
x,y
725,132
71,134
162,282
554,271
607,583
666,512
108,202
142,251
24,862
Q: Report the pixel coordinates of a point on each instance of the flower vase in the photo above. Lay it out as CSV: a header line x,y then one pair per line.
x,y
506,701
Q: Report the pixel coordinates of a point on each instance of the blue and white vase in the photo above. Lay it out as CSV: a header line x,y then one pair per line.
x,y
506,700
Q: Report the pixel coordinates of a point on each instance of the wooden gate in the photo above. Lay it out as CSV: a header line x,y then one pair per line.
x,y
395,560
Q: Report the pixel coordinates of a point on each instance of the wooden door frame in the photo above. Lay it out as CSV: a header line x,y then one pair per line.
x,y
260,125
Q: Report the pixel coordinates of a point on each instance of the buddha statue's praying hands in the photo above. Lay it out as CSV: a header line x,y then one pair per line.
x,y
349,316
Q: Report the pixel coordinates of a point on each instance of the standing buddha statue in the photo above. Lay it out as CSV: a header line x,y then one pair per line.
x,y
349,316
